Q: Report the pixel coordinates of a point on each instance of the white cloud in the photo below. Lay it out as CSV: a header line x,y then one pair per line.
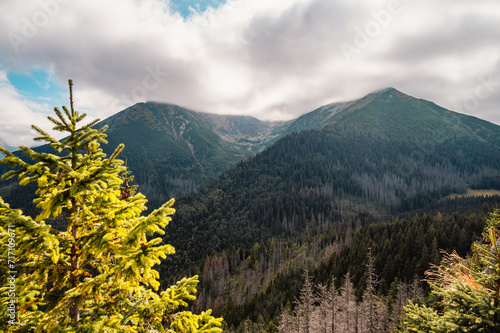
x,y
17,116
268,59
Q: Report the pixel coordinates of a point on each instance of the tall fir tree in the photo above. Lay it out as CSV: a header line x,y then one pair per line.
x,y
97,275
468,290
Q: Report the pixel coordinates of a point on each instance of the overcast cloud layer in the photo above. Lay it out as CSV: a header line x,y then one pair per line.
x,y
272,59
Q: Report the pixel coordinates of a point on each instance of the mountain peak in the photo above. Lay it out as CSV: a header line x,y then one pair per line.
x,y
387,90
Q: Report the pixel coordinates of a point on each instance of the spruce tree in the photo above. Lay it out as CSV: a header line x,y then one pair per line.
x,y
468,290
97,275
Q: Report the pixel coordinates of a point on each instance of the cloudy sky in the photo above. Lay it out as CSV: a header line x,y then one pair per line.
x,y
272,59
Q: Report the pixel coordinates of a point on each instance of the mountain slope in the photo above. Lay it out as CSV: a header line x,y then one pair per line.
x,y
173,151
391,113
375,159
382,155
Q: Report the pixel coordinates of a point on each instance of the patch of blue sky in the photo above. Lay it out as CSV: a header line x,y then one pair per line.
x,y
188,7
38,86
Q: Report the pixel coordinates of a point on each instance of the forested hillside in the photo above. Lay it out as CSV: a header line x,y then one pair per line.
x,y
375,173
297,205
315,181
250,285
173,151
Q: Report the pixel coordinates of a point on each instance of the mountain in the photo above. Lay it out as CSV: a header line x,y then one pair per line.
x,y
236,135
342,166
391,112
173,151
168,148
387,152
270,199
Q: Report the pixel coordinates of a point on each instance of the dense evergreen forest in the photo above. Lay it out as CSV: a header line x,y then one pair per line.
x,y
355,208
250,286
316,181
317,200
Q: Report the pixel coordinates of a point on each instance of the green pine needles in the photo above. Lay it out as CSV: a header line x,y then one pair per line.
x,y
468,290
97,275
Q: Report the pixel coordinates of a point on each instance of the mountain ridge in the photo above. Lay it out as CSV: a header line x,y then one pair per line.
x,y
250,133
375,159
375,156
173,151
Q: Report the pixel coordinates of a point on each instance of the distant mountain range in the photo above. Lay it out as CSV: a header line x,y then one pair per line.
x,y
173,151
359,161
297,204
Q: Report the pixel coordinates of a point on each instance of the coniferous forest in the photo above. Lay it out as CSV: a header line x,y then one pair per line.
x,y
330,228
